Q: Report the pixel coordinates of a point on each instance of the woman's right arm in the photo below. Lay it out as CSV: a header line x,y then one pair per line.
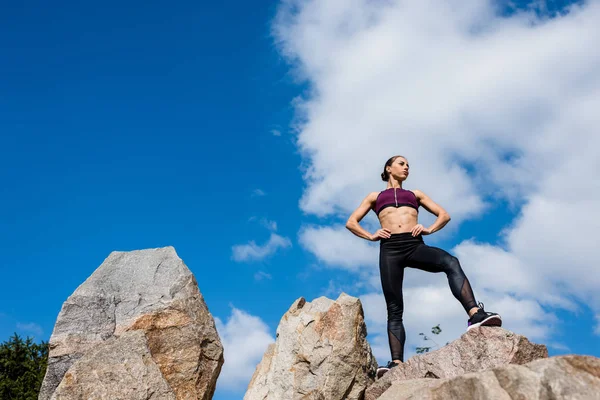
x,y
353,223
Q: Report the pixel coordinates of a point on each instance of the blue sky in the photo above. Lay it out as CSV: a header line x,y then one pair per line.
x,y
210,126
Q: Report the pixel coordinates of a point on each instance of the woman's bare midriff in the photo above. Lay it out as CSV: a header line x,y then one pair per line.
x,y
398,220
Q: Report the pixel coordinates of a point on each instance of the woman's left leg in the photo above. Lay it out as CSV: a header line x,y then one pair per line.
x,y
433,259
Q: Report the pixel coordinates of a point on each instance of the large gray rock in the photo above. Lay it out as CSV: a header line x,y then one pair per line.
x,y
556,378
151,291
476,350
321,353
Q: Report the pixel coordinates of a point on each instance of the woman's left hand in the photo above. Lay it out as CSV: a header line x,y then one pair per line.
x,y
420,230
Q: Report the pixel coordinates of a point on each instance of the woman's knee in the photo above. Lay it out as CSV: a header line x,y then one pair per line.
x,y
451,263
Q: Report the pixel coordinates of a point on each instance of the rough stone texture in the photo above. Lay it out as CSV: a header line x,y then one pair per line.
x,y
120,365
321,352
405,389
476,350
561,377
147,290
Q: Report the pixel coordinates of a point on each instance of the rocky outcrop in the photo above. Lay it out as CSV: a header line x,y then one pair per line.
x,y
561,377
476,350
320,352
140,323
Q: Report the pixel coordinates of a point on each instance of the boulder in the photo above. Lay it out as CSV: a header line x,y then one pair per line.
x,y
320,352
560,377
476,350
139,317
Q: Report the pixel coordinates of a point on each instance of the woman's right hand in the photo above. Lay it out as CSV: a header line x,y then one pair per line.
x,y
381,234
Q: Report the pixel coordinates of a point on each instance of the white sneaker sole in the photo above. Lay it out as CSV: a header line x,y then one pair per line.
x,y
494,320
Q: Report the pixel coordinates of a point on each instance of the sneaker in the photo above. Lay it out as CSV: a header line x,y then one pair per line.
x,y
383,370
484,318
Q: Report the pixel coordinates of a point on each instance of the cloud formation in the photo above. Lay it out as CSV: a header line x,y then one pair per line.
x,y
270,225
427,306
489,109
245,338
254,252
330,245
262,275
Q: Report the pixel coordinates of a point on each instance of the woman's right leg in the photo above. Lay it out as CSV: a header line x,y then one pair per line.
x,y
391,270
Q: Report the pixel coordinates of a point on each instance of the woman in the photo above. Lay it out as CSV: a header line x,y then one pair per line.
x,y
401,245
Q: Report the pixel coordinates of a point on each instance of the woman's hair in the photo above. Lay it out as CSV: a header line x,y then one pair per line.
x,y
385,176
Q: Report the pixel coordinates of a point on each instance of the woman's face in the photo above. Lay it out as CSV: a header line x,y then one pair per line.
x,y
399,168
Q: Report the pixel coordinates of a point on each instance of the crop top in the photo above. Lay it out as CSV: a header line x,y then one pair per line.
x,y
394,197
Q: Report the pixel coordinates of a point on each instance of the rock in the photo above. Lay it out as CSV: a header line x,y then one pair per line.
x,y
476,350
320,352
560,377
405,389
120,365
147,292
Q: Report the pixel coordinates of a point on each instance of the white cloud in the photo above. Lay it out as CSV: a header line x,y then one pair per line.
x,y
559,346
258,193
270,225
254,252
495,269
438,82
30,327
486,108
597,329
427,306
261,275
245,338
337,247
276,132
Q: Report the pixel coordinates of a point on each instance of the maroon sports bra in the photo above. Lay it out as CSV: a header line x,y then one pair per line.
x,y
395,197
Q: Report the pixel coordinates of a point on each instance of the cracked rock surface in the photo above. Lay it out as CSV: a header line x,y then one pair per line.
x,y
476,350
149,292
321,352
560,377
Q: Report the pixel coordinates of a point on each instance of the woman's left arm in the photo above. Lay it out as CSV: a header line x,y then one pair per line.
x,y
442,216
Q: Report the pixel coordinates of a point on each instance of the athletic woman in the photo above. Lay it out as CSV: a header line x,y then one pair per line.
x,y
402,245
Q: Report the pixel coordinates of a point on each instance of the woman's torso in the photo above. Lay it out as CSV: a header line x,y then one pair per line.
x,y
397,210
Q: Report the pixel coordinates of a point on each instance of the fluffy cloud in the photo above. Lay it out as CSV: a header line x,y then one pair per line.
x,y
266,223
427,306
450,85
495,269
487,108
245,338
255,252
335,246
270,225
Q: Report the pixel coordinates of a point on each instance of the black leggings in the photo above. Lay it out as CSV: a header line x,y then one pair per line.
x,y
403,250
